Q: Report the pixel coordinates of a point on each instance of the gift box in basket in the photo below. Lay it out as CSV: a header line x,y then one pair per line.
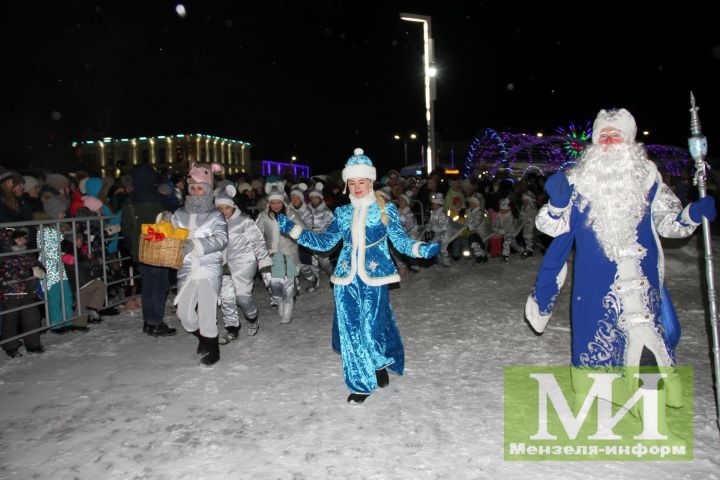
x,y
161,244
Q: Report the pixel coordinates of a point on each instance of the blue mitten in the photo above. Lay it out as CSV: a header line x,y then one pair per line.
x,y
285,224
705,207
429,250
559,190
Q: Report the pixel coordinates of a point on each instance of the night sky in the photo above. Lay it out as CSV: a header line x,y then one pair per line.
x,y
316,79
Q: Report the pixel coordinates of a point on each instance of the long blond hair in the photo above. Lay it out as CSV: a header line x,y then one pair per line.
x,y
381,203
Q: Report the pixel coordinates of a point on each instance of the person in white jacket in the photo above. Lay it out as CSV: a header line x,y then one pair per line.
x,y
199,279
282,250
244,254
298,205
478,224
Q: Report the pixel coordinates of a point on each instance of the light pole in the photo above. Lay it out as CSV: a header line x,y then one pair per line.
x,y
412,136
430,74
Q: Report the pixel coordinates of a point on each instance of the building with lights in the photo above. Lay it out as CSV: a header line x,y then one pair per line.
x,y
115,156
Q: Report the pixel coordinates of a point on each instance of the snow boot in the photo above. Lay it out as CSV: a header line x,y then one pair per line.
x,y
286,311
161,330
357,397
253,325
383,379
232,334
212,350
201,349
314,283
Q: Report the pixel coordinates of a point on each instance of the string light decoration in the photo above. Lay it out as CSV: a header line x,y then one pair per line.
x,y
577,138
491,151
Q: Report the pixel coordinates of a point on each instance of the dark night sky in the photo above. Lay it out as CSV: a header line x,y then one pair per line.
x,y
317,78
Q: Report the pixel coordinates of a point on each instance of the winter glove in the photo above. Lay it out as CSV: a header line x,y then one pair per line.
x,y
559,190
38,273
705,207
163,217
188,247
429,250
285,224
266,276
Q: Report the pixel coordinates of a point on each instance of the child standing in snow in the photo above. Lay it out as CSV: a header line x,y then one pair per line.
x,y
282,250
245,252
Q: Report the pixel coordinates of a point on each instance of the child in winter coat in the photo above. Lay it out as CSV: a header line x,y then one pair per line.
x,y
18,277
245,252
443,228
200,277
59,294
507,226
300,208
282,250
478,224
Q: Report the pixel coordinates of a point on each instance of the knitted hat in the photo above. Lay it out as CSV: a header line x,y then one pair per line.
x,y
474,200
528,195
30,183
57,181
406,198
504,204
359,166
275,191
165,189
619,119
437,199
55,206
10,174
256,183
299,190
92,203
317,191
223,183
244,187
225,196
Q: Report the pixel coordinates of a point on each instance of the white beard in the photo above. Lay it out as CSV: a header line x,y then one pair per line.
x,y
610,179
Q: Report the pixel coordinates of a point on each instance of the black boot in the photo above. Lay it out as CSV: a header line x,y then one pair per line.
x,y
357,397
161,330
212,355
146,327
383,379
232,332
201,349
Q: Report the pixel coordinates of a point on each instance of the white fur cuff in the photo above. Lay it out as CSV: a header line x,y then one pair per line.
x,y
295,232
416,249
685,216
532,312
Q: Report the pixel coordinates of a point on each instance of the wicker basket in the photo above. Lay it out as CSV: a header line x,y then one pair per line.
x,y
162,253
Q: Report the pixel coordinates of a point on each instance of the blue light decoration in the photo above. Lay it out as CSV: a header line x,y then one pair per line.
x,y
270,167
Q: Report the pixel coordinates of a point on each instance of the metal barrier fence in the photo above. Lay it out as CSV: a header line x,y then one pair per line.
x,y
106,261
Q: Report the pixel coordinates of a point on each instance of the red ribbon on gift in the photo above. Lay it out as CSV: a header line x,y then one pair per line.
x,y
153,235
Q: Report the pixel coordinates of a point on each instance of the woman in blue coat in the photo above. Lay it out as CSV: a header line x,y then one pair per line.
x,y
365,330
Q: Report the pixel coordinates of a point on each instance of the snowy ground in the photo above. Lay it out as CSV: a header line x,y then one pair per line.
x,y
117,404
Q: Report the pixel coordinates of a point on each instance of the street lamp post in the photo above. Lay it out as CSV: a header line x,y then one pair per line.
x,y
430,74
405,140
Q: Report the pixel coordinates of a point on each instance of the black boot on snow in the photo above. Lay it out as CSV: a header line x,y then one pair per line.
x,y
357,397
383,379
232,333
201,349
212,353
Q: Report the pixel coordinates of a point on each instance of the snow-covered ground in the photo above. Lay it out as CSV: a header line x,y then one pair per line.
x,y
117,404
